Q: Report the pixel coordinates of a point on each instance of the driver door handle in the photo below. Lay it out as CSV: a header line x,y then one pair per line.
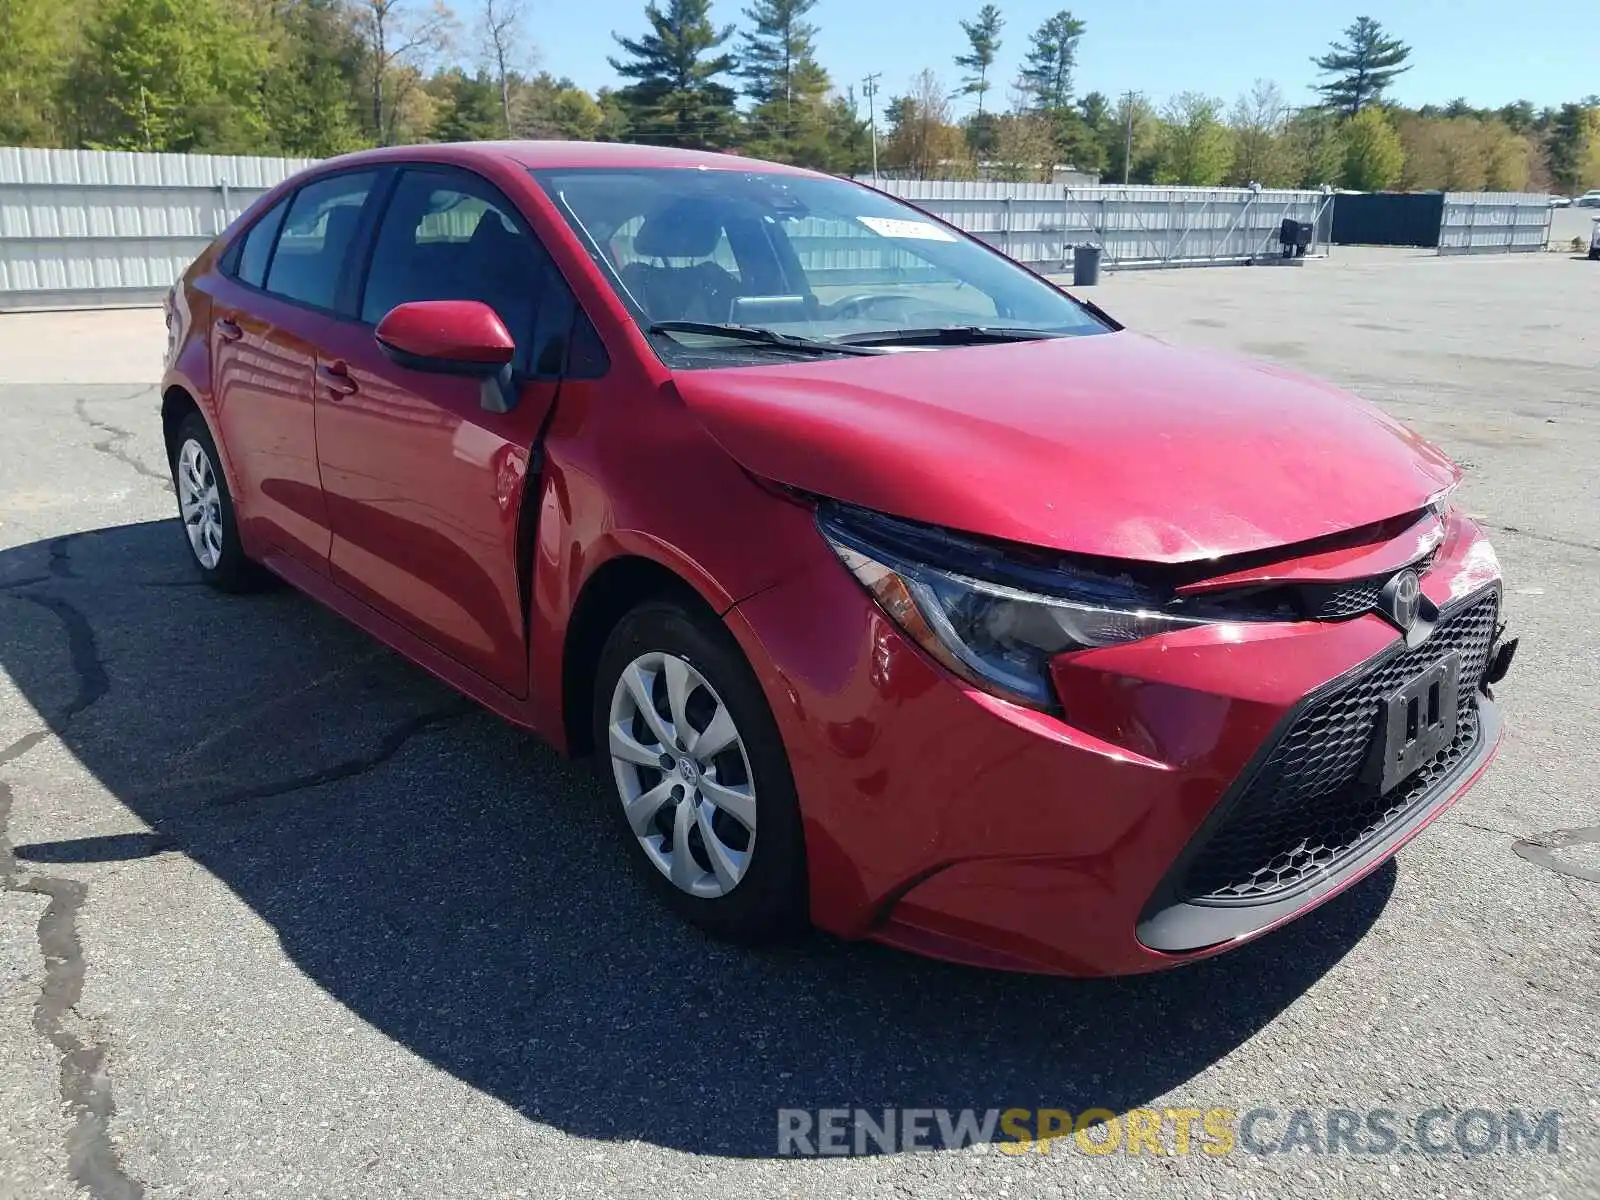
x,y
335,376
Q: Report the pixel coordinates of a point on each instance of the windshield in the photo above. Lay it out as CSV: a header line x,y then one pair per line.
x,y
809,258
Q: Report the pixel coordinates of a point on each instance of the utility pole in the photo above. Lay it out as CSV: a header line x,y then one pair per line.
x,y
1127,152
870,86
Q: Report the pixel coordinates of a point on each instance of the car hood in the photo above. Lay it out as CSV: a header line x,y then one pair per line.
x,y
1112,444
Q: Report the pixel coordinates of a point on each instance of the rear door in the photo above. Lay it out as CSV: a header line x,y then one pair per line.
x,y
425,489
272,303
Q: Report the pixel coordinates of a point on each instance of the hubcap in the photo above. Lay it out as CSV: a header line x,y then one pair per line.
x,y
682,774
200,503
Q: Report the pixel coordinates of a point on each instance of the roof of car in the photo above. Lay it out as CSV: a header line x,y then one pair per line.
x,y
615,155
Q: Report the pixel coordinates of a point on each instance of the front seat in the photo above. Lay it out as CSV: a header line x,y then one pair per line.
x,y
699,291
502,271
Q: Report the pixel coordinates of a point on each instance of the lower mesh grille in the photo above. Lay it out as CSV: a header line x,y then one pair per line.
x,y
1309,807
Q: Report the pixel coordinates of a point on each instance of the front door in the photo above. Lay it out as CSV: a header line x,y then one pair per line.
x,y
424,487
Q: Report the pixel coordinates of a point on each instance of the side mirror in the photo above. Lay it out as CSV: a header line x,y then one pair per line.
x,y
453,337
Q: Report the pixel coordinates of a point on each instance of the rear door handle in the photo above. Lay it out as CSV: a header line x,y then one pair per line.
x,y
228,330
335,376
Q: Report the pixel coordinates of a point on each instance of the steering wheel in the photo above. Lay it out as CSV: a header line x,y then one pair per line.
x,y
863,305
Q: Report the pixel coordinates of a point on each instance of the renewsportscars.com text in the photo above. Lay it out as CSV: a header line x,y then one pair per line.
x,y
1213,1131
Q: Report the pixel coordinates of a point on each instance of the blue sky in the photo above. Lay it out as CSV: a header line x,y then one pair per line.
x,y
1489,51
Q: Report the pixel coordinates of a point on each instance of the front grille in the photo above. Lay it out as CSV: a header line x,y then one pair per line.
x,y
1311,805
1346,600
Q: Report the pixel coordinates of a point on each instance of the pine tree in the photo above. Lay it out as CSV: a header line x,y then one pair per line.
x,y
778,57
983,34
1046,76
792,117
1362,68
1568,145
676,99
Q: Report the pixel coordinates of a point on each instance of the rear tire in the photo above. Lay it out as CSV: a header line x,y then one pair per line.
x,y
205,510
698,775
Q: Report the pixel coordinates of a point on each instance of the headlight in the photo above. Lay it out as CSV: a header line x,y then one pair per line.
x,y
997,636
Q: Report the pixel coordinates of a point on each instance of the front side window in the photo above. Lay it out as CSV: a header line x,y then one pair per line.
x,y
317,235
821,259
445,236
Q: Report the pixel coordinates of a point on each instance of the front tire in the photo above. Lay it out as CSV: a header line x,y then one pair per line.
x,y
699,778
206,510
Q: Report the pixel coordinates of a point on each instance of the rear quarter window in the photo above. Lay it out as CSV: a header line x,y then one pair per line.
x,y
256,249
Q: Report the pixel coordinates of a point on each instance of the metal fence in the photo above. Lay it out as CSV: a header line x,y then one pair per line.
x,y
1494,222
92,228
86,228
1136,226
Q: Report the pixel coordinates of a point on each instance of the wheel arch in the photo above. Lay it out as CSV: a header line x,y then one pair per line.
x,y
616,587
177,403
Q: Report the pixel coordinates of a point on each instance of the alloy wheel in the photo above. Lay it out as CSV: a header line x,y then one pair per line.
x,y
682,774
200,501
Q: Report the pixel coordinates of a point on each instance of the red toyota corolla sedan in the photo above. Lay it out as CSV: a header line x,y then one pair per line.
x,y
894,589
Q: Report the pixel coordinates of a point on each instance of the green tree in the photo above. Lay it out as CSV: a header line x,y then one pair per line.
x,y
792,113
676,98
1362,67
399,38
1046,75
1568,146
1315,143
1373,155
1195,146
311,90
777,56
1133,120
558,109
174,75
983,36
1519,116
922,142
38,39
467,108
1261,153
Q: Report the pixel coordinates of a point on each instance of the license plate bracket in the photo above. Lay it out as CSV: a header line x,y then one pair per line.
x,y
1419,720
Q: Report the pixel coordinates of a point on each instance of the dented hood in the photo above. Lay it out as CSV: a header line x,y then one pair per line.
x,y
1112,444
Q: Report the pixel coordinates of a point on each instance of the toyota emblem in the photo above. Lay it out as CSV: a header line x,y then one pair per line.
x,y
1402,599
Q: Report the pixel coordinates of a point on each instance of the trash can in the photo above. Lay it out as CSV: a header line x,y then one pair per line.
x,y
1085,266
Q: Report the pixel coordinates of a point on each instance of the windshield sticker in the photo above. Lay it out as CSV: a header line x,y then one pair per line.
x,y
920,231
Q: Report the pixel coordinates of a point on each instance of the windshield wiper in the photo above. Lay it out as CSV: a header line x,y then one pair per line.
x,y
756,335
947,335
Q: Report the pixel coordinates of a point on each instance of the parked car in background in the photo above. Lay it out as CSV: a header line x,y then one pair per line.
x,y
1560,201
894,588
1590,199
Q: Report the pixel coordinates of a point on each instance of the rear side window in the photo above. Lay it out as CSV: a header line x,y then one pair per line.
x,y
317,234
257,247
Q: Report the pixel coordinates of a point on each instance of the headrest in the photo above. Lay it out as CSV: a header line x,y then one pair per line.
x,y
340,226
684,229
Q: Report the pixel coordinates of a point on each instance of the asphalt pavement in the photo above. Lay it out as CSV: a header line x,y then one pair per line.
x,y
283,917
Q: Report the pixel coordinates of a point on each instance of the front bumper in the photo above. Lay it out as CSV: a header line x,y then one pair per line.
x,y
945,821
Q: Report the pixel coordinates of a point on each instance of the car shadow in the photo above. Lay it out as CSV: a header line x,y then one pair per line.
x,y
451,881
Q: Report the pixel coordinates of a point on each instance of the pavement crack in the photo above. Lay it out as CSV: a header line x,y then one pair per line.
x,y
112,444
1551,538
84,648
1488,829
393,742
85,1087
